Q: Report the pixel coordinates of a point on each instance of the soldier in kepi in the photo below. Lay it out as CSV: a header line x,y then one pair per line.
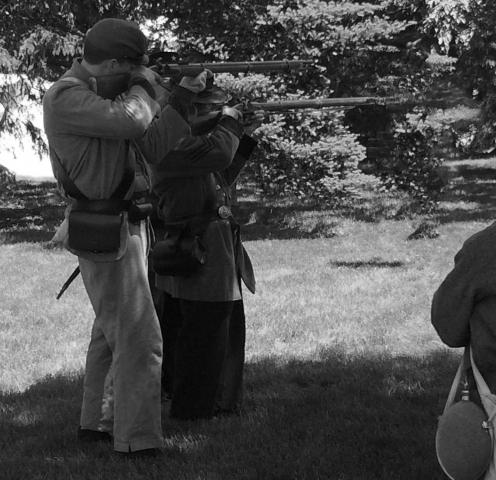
x,y
103,117
200,262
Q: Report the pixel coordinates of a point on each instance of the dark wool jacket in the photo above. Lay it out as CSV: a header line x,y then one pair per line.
x,y
195,178
464,306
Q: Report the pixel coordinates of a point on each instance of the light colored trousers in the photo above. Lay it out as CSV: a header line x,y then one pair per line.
x,y
125,350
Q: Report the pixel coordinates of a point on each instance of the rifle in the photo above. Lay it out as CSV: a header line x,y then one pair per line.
x,y
319,103
207,120
391,103
193,69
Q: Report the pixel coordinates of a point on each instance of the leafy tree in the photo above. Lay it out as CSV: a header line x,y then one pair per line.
x,y
448,21
413,167
38,42
465,29
361,48
477,60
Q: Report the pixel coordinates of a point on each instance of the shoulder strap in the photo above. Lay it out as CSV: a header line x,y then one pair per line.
x,y
464,363
479,379
69,186
484,392
73,191
125,185
487,398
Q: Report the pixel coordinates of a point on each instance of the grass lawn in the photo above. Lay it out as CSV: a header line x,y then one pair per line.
x,y
345,376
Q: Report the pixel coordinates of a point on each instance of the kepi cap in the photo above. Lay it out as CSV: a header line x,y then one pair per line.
x,y
212,95
116,38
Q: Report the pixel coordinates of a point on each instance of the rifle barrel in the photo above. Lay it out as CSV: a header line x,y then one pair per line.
x,y
318,103
393,103
193,69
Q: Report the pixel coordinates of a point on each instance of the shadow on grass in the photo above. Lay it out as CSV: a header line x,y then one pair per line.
x,y
348,418
260,221
30,212
472,200
373,263
475,171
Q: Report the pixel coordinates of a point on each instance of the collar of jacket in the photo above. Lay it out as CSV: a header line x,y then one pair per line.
x,y
78,71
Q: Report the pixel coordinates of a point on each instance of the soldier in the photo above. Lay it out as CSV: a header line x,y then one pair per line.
x,y
98,117
201,308
464,305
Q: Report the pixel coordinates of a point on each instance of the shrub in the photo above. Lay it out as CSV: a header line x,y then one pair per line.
x,y
311,156
7,178
362,48
412,167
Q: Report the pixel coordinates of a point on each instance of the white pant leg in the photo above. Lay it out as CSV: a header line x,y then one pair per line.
x,y
121,298
98,361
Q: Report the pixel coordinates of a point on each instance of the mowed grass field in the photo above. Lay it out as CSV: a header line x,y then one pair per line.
x,y
345,376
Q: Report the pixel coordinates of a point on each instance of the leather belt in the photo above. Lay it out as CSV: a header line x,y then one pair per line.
x,y
223,212
114,206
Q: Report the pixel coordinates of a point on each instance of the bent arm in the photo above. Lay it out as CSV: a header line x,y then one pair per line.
x,y
454,302
163,135
243,153
198,155
80,111
168,128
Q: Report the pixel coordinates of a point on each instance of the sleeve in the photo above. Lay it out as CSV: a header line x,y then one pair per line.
x,y
80,111
246,146
454,301
181,100
163,135
198,155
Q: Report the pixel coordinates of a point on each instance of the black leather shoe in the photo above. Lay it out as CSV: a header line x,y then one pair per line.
x,y
146,453
86,435
227,412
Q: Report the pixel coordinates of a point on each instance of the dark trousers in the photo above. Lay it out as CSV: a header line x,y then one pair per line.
x,y
204,349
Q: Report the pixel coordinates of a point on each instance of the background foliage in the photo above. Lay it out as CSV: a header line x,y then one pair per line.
x,y
465,30
378,47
